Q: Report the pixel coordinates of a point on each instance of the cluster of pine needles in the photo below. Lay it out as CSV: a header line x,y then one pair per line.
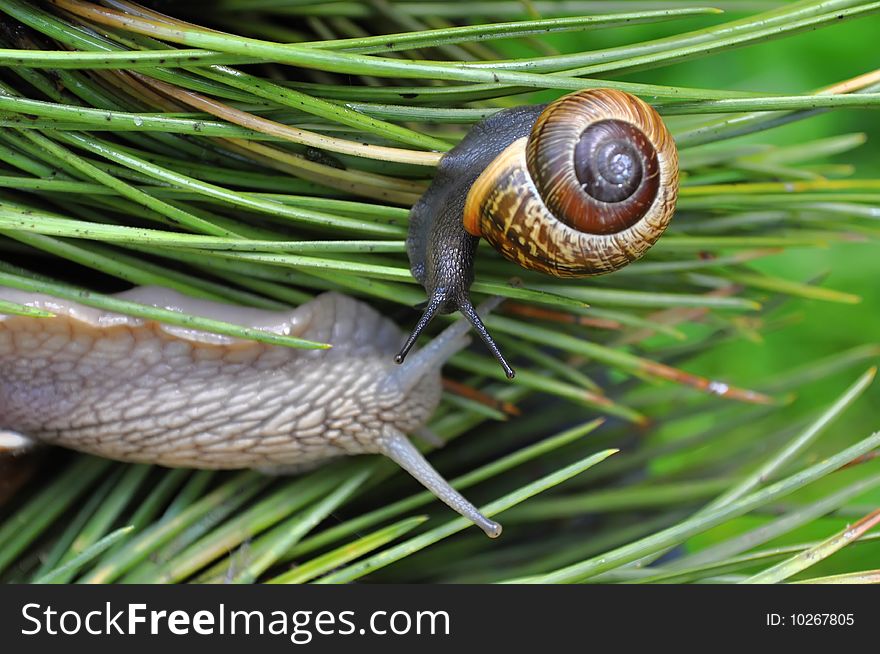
x,y
270,151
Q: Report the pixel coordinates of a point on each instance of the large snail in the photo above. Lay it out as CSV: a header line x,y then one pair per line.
x,y
136,390
579,187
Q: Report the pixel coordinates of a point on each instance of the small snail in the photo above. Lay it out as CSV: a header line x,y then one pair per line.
x,y
136,390
579,187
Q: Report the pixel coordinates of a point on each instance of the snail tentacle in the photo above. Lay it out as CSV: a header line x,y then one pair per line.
x,y
451,340
399,449
431,310
468,311
462,303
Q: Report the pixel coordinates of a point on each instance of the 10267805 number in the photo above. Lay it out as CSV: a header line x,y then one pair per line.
x,y
810,619
821,619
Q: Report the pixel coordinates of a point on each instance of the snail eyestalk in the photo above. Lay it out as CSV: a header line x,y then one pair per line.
x,y
430,311
468,311
397,447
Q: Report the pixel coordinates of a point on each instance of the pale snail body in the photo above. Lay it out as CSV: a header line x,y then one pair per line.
x,y
136,390
580,187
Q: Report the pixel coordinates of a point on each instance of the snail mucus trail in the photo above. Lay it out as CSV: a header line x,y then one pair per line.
x,y
579,187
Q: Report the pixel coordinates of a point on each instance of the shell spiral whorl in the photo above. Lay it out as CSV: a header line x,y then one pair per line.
x,y
589,190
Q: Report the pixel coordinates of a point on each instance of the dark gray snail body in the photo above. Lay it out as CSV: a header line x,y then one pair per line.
x,y
579,187
137,390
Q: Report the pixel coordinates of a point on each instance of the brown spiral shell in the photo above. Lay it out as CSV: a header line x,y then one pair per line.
x,y
589,190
